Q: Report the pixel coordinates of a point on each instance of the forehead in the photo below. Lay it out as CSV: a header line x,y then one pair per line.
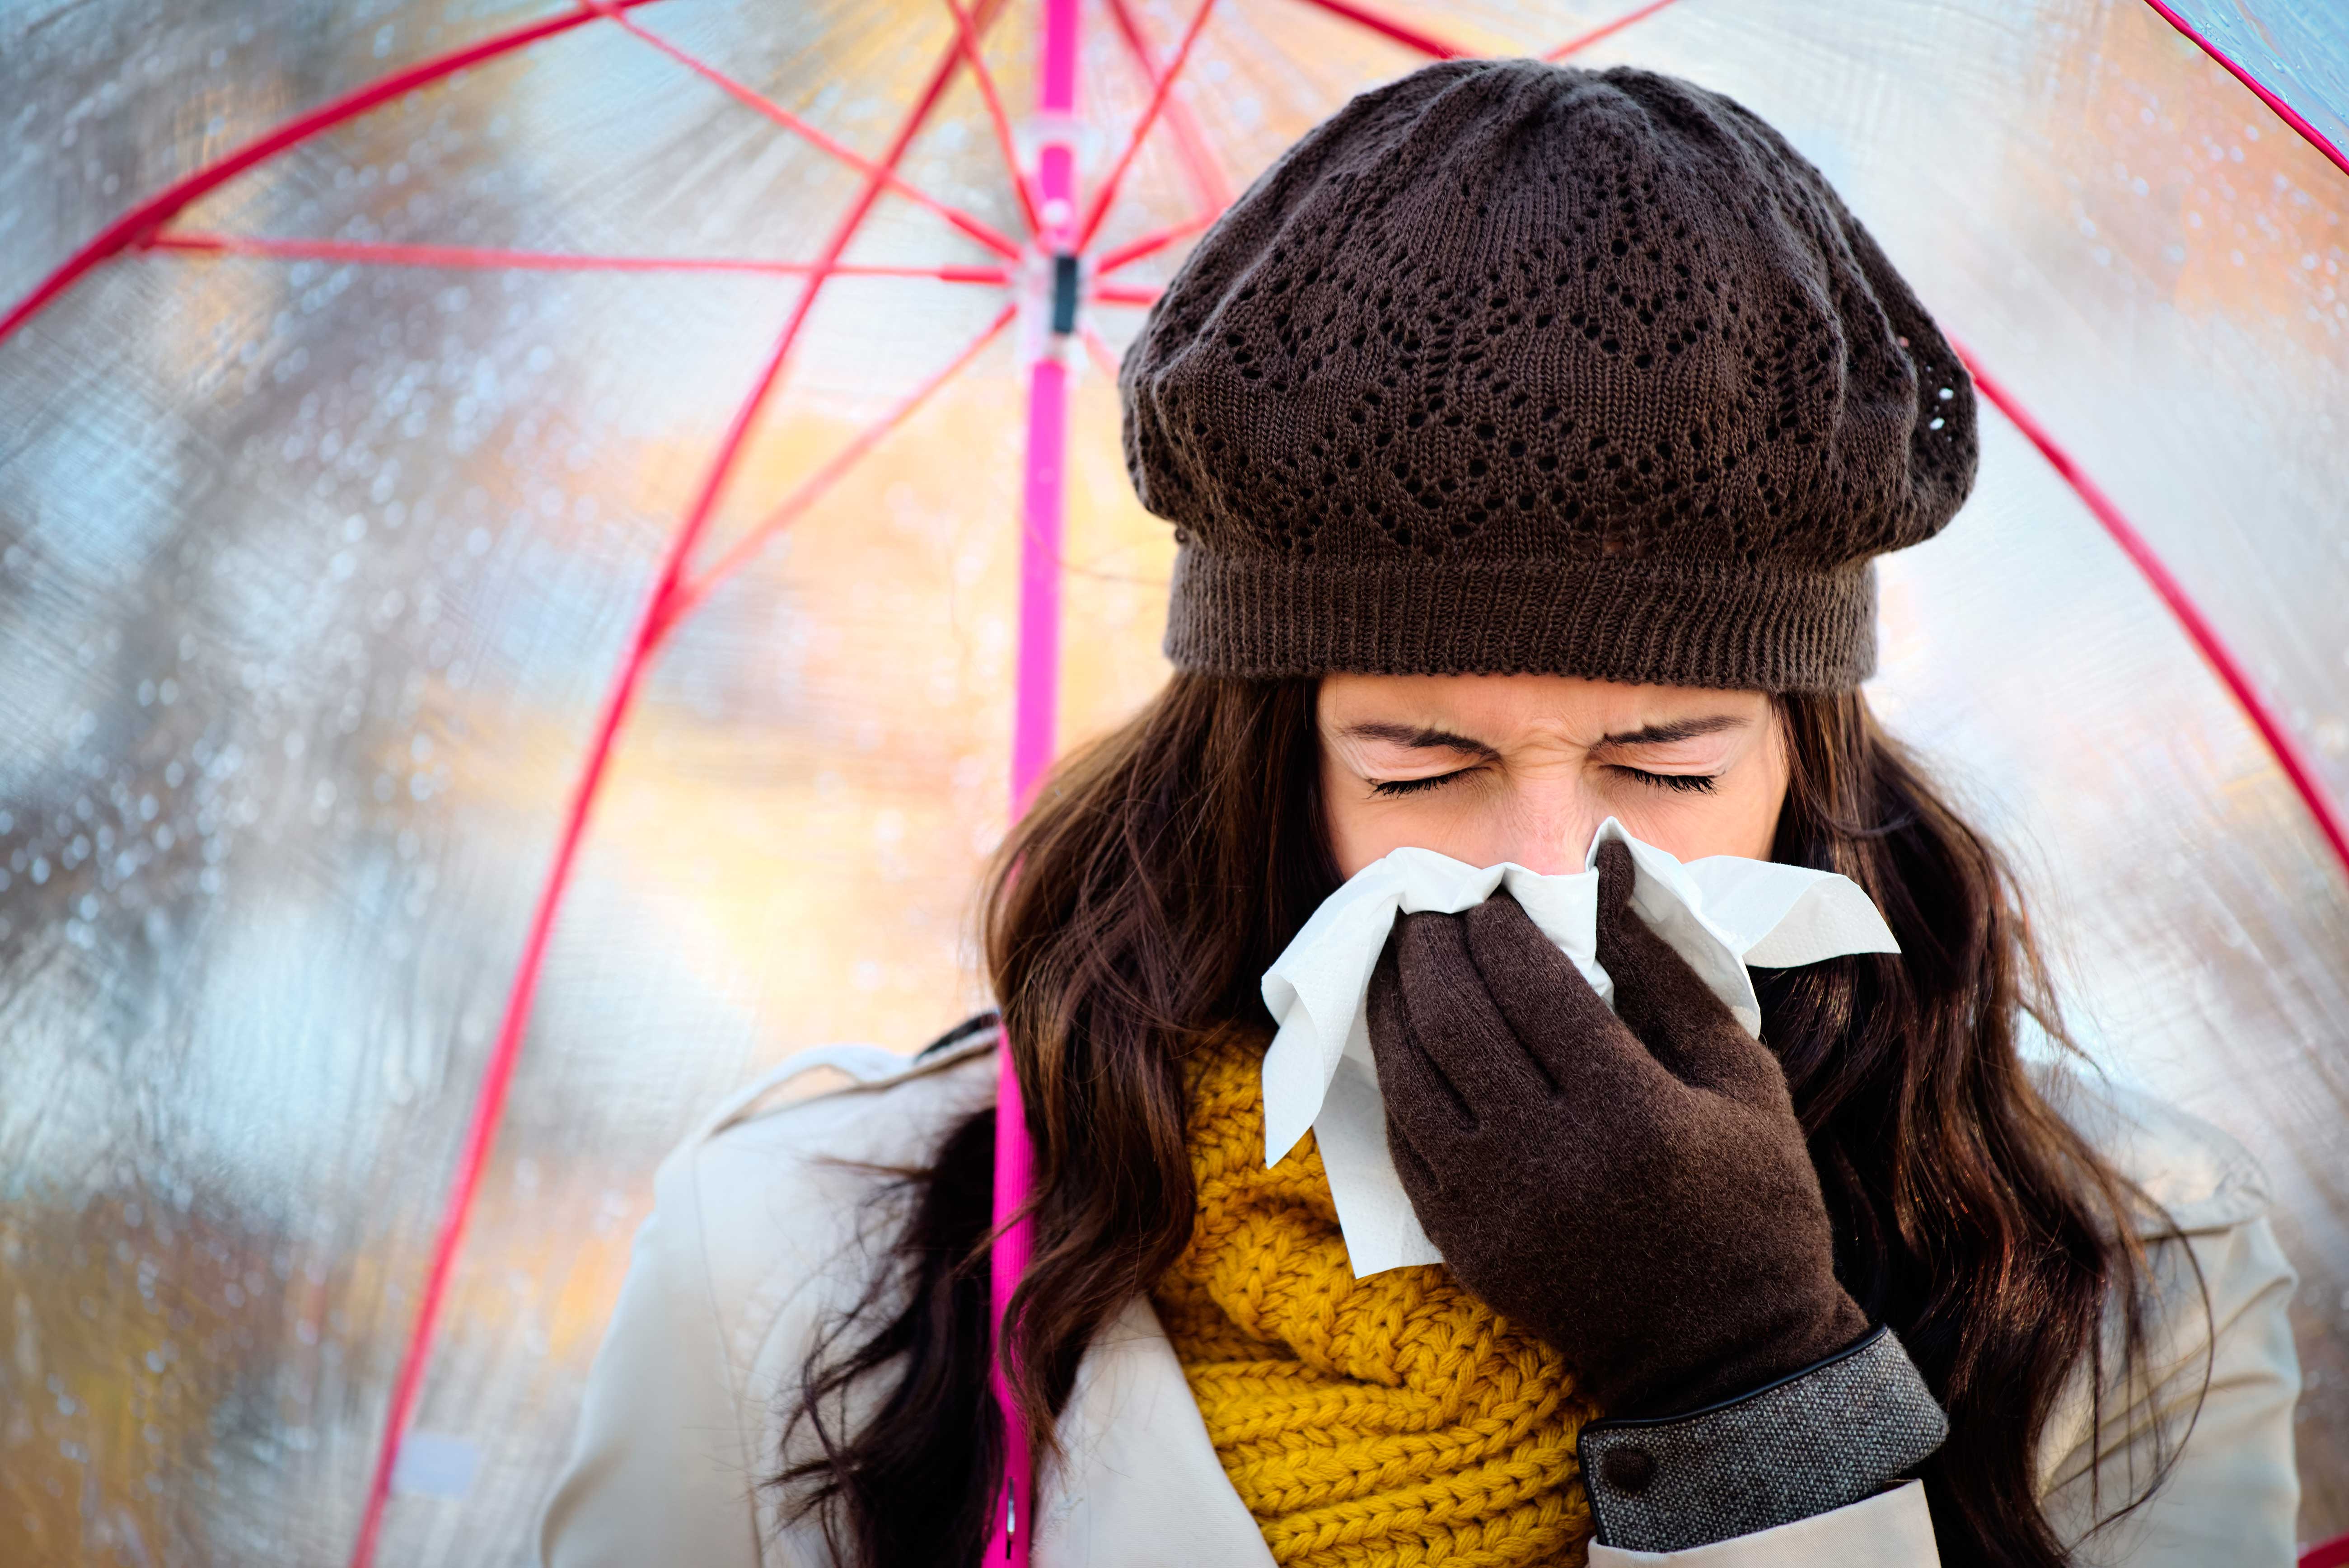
x,y
1492,708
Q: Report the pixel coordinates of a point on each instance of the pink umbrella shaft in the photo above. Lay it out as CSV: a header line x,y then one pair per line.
x,y
1039,578
1014,1166
1031,751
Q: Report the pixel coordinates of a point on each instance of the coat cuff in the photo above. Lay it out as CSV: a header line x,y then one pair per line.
x,y
1832,1434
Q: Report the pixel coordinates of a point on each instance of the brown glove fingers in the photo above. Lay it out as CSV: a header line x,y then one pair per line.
x,y
1413,1088
1449,1000
1669,1240
1552,1009
1653,984
1667,1005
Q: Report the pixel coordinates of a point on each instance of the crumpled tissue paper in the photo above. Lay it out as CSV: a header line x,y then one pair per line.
x,y
1720,913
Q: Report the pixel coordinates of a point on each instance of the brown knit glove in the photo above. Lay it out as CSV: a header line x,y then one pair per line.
x,y
1631,1186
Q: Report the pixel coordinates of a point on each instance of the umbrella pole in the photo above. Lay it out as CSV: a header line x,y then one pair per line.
x,y
1053,290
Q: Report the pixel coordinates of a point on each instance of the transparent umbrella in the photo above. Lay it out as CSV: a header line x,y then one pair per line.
x,y
429,430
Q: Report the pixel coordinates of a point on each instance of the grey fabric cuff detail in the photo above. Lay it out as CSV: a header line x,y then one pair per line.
x,y
1832,1434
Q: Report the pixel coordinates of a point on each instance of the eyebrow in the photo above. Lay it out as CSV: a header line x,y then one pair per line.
x,y
1426,739
1677,729
1419,738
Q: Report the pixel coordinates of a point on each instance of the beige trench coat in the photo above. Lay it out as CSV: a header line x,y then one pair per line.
x,y
755,1237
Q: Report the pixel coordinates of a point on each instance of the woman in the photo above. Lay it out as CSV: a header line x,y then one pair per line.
x,y
1529,434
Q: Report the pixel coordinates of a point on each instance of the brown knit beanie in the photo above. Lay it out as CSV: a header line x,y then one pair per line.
x,y
1510,366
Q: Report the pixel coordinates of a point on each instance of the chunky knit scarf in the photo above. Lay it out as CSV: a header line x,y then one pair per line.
x,y
1377,1423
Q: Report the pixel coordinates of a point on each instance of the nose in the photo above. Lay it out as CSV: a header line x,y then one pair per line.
x,y
1548,827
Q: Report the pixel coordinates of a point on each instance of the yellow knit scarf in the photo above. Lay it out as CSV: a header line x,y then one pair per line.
x,y
1384,1422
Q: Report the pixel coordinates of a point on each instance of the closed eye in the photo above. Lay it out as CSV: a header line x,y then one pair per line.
x,y
1391,787
1698,783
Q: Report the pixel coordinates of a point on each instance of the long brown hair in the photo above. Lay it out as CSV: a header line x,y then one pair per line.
x,y
1163,869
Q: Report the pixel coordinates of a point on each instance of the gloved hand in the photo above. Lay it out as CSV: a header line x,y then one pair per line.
x,y
1632,1186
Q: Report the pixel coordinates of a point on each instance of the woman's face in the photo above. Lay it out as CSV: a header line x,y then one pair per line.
x,y
1487,768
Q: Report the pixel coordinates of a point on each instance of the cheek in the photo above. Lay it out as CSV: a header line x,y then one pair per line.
x,y
1358,829
1739,818
1539,823
1363,827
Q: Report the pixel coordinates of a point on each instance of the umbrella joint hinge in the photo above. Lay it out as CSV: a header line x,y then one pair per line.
x,y
1064,293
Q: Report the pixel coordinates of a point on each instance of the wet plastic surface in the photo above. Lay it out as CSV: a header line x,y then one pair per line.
x,y
312,574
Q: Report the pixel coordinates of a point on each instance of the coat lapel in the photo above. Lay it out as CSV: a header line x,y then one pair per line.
x,y
1141,1486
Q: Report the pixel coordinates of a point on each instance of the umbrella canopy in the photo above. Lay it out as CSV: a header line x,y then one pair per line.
x,y
420,423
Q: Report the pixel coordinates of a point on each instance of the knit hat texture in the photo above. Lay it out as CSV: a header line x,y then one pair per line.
x,y
1509,366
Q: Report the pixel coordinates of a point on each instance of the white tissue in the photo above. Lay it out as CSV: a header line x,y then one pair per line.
x,y
1720,913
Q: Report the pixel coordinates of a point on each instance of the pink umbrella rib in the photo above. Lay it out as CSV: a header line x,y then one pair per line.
x,y
1208,186
1402,33
2333,1553
1151,244
1582,41
2190,616
968,43
2283,110
1098,352
1108,191
1438,48
986,233
159,209
1126,294
1388,27
199,242
489,1103
813,488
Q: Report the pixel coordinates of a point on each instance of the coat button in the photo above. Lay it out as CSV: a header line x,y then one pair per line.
x,y
1627,1471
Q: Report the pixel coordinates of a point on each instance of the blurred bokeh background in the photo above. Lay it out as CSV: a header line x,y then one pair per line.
x,y
313,573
